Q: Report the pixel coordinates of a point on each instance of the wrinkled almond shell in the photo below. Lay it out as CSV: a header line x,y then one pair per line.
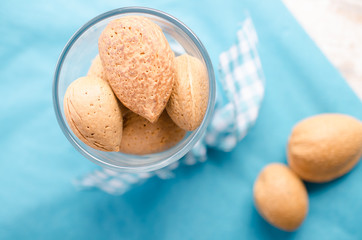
x,y
143,137
324,147
139,64
189,97
93,113
281,197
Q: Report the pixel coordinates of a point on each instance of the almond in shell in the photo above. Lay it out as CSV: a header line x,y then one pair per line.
x,y
143,137
138,63
189,98
93,113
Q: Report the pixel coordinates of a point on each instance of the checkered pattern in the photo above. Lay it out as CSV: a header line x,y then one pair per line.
x,y
243,89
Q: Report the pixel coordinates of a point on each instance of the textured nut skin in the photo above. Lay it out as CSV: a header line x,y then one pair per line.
x,y
96,68
281,197
188,102
324,147
139,64
93,114
142,137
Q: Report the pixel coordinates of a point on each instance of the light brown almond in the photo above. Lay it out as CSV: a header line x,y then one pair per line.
x,y
93,113
143,137
139,64
281,197
324,147
96,68
189,97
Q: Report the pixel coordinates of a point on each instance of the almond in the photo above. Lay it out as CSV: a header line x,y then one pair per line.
x,y
96,68
324,147
143,137
189,97
93,113
281,197
139,64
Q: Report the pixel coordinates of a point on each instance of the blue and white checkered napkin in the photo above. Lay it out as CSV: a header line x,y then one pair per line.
x,y
242,79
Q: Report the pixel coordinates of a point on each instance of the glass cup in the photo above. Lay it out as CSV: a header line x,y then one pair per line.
x,y
75,61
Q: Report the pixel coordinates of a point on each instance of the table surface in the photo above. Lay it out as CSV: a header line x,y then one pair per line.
x,y
207,201
335,26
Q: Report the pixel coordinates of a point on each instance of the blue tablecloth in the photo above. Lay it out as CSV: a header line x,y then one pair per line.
x,y
206,201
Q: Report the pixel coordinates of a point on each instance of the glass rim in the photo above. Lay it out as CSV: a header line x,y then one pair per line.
x,y
197,134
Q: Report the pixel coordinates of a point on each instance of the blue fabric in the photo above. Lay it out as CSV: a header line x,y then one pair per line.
x,y
207,201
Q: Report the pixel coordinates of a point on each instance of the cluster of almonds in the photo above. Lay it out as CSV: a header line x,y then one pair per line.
x,y
137,97
320,149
